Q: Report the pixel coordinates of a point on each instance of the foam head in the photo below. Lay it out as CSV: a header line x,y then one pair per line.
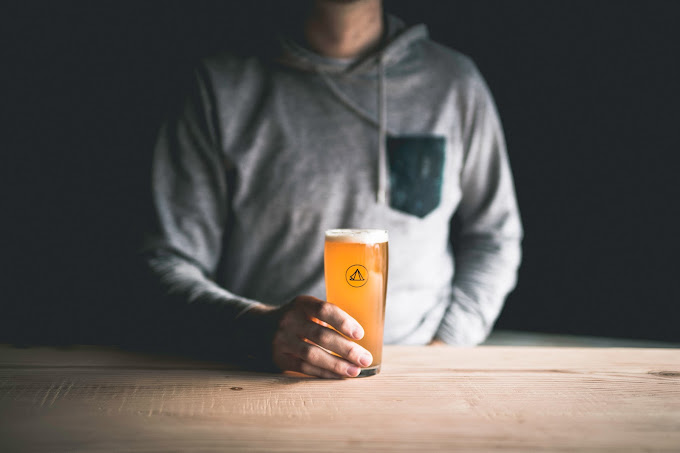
x,y
359,236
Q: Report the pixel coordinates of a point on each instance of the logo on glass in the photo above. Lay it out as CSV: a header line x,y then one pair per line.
x,y
356,275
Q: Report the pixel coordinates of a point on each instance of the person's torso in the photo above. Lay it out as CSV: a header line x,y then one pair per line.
x,y
301,162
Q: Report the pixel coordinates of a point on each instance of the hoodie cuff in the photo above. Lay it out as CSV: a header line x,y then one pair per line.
x,y
462,327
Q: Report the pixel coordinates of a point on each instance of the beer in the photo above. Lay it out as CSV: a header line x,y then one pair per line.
x,y
355,264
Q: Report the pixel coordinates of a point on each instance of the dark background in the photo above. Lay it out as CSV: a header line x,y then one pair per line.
x,y
587,91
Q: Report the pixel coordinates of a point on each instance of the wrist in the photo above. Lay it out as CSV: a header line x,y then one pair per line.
x,y
253,336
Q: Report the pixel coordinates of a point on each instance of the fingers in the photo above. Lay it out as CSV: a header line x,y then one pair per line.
x,y
312,359
332,341
296,342
331,314
298,324
304,343
292,363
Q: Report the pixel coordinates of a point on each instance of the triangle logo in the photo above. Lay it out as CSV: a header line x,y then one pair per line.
x,y
356,275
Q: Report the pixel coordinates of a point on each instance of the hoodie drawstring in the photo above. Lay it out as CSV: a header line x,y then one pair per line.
x,y
383,184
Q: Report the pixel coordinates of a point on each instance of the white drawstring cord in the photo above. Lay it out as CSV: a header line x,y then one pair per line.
x,y
382,193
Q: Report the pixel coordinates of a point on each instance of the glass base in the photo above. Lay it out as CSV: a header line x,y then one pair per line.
x,y
370,371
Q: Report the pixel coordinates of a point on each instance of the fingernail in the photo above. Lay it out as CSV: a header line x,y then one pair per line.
x,y
365,360
353,371
358,333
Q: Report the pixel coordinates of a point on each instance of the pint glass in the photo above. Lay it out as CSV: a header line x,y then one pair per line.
x,y
355,264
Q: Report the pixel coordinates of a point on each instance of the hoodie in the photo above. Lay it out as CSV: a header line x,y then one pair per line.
x,y
268,153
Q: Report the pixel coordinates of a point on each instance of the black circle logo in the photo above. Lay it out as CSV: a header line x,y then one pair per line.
x,y
356,275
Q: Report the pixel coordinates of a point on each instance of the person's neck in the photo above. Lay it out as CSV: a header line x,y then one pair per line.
x,y
340,29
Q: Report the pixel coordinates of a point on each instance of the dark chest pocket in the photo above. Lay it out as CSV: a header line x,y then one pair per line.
x,y
416,165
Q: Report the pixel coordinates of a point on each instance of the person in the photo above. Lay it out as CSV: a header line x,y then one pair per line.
x,y
356,121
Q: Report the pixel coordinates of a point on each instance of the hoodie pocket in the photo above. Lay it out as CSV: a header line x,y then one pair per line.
x,y
416,166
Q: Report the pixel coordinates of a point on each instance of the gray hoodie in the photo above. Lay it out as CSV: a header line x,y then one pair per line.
x,y
267,154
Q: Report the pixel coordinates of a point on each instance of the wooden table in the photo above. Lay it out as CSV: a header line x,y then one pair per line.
x,y
426,399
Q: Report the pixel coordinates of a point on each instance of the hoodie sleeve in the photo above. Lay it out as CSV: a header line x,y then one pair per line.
x,y
486,229
183,242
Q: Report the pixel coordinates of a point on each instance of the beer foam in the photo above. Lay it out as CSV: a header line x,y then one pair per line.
x,y
366,236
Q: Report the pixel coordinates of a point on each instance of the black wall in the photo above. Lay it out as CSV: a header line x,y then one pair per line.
x,y
587,90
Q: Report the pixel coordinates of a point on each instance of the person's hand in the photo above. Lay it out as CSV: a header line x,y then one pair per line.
x,y
305,342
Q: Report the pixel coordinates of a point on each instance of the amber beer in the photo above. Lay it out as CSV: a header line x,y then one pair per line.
x,y
355,263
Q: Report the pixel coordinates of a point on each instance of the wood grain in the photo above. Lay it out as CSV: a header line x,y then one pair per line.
x,y
437,398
